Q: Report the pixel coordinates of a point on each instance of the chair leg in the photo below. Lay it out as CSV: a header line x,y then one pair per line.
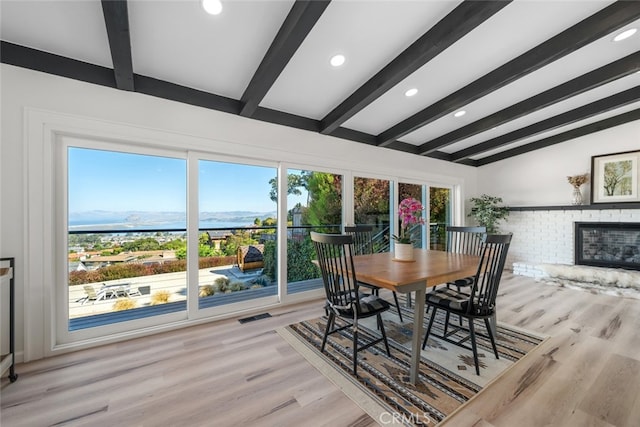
x,y
332,317
384,335
395,297
355,346
473,346
446,323
426,335
487,323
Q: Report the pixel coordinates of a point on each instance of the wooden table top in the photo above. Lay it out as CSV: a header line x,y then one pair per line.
x,y
430,266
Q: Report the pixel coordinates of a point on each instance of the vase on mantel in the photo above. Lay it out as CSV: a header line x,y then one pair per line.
x,y
403,251
576,196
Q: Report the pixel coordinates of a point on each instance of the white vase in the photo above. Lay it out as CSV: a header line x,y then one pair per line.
x,y
576,196
403,251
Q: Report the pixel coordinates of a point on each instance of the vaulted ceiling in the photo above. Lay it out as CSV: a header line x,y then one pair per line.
x,y
528,73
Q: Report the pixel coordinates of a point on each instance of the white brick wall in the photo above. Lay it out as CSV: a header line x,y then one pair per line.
x,y
546,236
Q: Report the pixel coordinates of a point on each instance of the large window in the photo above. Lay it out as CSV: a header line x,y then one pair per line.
x,y
126,244
237,228
314,203
439,216
153,236
372,206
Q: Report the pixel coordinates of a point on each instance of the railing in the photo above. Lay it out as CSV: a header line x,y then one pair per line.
x,y
92,313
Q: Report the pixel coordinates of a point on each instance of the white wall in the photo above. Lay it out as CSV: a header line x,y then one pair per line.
x,y
539,178
26,90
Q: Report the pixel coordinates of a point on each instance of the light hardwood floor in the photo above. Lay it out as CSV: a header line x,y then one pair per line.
x,y
231,374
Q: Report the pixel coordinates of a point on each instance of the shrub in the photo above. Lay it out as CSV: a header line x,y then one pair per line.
x,y
160,297
256,286
299,256
206,291
127,270
124,304
237,286
221,284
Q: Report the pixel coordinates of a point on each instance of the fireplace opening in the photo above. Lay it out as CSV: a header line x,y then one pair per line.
x,y
608,244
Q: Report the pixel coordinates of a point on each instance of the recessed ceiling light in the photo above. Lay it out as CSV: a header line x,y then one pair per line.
x,y
625,34
337,60
459,113
212,7
411,92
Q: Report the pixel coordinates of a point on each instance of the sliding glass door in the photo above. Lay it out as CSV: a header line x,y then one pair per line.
x,y
237,223
126,236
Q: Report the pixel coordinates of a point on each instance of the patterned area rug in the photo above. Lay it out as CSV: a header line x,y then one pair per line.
x,y
382,388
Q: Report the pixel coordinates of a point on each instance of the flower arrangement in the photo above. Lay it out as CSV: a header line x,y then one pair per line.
x,y
410,213
578,180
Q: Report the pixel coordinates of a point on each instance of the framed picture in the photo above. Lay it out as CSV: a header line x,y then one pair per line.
x,y
614,178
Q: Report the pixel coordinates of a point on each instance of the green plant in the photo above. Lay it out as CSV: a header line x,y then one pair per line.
x,y
237,286
487,211
221,284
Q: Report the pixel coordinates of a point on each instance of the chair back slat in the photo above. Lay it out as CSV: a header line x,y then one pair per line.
x,y
334,252
362,238
465,240
493,256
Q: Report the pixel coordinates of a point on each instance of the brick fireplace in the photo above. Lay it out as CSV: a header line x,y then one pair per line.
x,y
545,235
607,244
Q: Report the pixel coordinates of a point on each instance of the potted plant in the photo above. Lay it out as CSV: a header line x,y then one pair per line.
x,y
410,213
487,212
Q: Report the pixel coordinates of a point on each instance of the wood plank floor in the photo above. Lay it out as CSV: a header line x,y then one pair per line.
x,y
228,374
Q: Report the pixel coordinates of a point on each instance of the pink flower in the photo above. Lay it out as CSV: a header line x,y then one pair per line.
x,y
410,213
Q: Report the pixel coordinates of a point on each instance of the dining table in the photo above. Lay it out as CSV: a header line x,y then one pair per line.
x,y
429,268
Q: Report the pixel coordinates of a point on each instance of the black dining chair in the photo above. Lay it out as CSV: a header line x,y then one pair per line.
x,y
478,303
464,240
363,245
344,299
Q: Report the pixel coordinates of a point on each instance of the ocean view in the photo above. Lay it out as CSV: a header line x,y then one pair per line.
x,y
161,220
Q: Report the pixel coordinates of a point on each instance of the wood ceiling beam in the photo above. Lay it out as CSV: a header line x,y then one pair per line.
x,y
45,62
562,137
301,18
606,74
116,19
586,111
186,95
598,25
458,23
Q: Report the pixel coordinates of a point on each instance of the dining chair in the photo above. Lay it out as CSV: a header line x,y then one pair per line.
x,y
479,303
344,300
464,240
363,245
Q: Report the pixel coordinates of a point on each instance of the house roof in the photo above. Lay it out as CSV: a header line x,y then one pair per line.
x,y
528,73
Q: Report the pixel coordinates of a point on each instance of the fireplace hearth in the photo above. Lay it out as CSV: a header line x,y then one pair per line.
x,y
608,244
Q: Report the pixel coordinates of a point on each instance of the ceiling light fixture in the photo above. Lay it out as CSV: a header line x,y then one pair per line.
x,y
411,92
212,7
625,34
459,113
337,60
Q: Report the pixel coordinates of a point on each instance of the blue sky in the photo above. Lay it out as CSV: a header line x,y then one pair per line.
x,y
112,181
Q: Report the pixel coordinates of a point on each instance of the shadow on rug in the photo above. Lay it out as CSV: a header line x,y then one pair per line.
x,y
382,387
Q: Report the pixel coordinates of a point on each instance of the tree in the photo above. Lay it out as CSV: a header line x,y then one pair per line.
x,y
371,198
294,182
617,178
325,199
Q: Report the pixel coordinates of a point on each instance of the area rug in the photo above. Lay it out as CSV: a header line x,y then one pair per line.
x,y
382,387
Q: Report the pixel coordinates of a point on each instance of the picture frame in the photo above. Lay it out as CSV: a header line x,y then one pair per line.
x,y
615,178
